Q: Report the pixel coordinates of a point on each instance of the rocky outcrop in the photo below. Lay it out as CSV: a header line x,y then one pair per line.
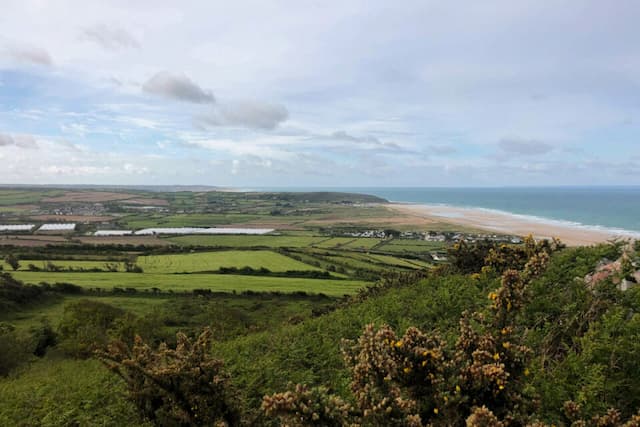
x,y
623,272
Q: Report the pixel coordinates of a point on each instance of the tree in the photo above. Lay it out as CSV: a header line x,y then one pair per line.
x,y
13,261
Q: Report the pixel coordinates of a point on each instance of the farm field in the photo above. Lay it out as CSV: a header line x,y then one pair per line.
x,y
53,311
185,220
189,282
65,264
400,262
334,242
247,241
399,245
209,261
362,243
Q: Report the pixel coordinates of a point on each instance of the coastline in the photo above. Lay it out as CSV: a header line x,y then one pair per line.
x,y
506,223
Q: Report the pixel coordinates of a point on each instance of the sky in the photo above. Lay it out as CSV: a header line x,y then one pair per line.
x,y
320,93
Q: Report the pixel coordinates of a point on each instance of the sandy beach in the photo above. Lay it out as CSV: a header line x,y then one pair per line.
x,y
508,224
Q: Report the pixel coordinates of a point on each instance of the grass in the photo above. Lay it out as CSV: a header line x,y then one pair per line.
x,y
247,241
189,282
77,264
186,220
362,243
65,393
411,246
334,242
210,261
399,262
51,311
20,197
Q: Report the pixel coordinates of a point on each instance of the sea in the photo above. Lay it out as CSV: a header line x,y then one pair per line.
x,y
612,209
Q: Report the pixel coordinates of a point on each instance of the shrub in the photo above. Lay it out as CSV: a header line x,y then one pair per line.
x,y
181,386
13,350
85,326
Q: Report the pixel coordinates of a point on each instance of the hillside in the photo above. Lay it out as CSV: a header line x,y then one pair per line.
x,y
585,342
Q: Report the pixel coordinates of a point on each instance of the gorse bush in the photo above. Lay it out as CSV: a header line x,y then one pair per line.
x,y
416,380
184,386
485,378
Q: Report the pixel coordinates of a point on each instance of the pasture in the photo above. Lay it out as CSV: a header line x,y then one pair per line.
x,y
247,241
210,261
189,282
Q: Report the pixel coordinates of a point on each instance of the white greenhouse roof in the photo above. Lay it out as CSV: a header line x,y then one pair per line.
x,y
57,227
113,233
196,230
16,227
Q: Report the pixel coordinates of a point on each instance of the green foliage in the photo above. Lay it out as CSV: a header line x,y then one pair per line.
x,y
14,349
309,352
66,393
85,326
174,387
14,294
12,261
415,380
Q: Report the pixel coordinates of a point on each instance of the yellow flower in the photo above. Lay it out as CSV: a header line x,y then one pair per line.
x,y
446,399
506,344
407,370
399,344
493,296
501,387
526,372
424,363
457,389
504,331
435,411
496,356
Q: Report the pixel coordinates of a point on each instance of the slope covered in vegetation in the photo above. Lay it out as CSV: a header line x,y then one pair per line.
x,y
579,344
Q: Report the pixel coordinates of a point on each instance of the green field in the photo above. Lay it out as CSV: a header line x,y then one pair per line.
x,y
400,262
189,282
362,243
65,264
18,197
52,312
186,220
247,241
210,261
334,242
408,246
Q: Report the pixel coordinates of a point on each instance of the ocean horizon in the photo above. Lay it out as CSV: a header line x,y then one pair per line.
x,y
614,209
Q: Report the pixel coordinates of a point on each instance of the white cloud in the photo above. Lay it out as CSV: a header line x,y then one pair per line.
x,y
110,37
249,114
30,55
21,141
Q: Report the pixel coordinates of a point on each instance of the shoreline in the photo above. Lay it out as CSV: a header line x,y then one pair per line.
x,y
508,223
